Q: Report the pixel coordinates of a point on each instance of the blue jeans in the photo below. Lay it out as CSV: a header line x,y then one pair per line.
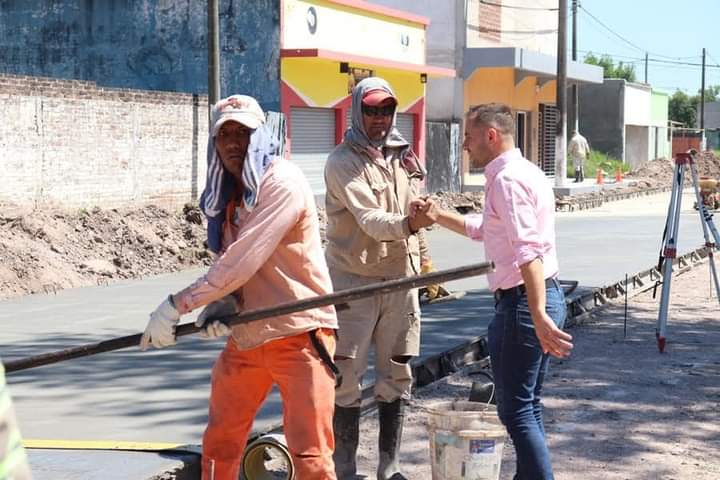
x,y
519,368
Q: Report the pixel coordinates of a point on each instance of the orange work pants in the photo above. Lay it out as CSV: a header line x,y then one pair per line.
x,y
241,379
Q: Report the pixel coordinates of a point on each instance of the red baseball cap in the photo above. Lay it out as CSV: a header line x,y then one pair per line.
x,y
377,96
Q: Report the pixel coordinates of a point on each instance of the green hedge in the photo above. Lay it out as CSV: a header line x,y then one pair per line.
x,y
598,160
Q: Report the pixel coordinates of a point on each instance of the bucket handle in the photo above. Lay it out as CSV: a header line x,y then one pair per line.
x,y
482,433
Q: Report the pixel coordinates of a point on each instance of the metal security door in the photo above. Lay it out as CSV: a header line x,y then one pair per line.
x,y
548,129
312,139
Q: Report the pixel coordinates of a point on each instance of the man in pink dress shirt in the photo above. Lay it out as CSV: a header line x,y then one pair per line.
x,y
518,228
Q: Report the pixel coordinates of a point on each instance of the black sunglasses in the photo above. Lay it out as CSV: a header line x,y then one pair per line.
x,y
385,111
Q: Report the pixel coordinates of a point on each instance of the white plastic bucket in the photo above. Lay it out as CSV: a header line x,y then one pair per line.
x,y
466,441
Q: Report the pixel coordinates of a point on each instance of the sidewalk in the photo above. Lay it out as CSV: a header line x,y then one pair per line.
x,y
616,409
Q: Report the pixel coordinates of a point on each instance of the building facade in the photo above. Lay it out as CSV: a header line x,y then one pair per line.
x,y
712,125
299,57
502,53
144,44
624,120
326,48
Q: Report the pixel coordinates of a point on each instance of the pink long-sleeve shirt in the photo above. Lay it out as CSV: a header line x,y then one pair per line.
x,y
518,221
271,255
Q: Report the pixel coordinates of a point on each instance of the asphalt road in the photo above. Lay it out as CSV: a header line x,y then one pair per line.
x,y
161,396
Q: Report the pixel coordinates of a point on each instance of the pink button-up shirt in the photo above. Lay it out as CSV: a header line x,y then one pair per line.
x,y
272,255
518,221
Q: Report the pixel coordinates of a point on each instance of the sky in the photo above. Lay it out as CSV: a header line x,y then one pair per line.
x,y
669,30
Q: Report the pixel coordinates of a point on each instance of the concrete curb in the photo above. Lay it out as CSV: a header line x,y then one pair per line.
x,y
475,351
579,307
564,205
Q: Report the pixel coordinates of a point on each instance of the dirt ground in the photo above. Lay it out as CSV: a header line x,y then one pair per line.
x,y
659,172
46,249
49,249
616,409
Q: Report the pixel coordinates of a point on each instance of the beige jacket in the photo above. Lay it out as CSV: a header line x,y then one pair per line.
x,y
271,256
367,203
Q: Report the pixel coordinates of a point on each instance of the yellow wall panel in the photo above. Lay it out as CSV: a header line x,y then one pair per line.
x,y
526,95
321,84
407,86
547,92
487,85
318,81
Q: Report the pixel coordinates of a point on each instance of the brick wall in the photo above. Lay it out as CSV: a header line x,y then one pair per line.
x,y
490,20
76,144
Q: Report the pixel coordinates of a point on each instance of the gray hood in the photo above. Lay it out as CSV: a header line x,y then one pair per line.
x,y
356,133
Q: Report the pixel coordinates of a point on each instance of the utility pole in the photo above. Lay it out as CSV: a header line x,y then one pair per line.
x,y
561,97
646,63
213,56
702,102
575,96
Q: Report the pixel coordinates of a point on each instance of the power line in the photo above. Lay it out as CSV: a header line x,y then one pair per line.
x,y
620,55
655,60
610,29
713,58
683,63
517,19
518,7
635,46
531,32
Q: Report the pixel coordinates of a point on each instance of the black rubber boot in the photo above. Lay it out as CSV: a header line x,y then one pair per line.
x,y
346,427
391,417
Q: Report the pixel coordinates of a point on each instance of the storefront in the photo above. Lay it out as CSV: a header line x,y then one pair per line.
x,y
524,80
327,46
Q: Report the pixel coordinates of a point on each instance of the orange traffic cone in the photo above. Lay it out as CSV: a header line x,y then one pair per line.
x,y
618,175
600,174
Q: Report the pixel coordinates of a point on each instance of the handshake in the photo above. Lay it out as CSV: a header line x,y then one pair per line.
x,y
424,212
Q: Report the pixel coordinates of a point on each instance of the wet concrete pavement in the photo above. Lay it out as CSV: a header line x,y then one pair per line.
x,y
161,396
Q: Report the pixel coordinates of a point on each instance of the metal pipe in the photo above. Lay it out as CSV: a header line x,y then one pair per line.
x,y
343,296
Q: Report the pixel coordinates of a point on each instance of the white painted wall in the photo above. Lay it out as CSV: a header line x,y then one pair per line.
x,y
338,30
445,44
637,104
516,20
440,34
637,148
109,147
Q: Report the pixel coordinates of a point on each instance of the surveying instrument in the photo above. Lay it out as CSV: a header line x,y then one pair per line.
x,y
670,237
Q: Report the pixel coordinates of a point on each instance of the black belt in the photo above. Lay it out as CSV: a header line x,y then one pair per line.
x,y
519,290
325,356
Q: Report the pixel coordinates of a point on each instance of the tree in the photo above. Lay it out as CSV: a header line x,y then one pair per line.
x,y
622,70
683,108
712,93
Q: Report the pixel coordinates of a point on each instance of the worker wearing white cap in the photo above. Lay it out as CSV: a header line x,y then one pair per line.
x,y
263,224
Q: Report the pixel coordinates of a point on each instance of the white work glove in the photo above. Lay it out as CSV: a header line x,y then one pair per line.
x,y
212,329
160,330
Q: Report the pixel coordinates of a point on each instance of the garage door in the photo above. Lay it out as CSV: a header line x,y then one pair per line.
x,y
312,139
405,122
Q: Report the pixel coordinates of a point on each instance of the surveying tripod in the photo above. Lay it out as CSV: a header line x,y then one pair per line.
x,y
672,224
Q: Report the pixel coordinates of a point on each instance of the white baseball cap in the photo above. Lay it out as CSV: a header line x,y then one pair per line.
x,y
239,108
